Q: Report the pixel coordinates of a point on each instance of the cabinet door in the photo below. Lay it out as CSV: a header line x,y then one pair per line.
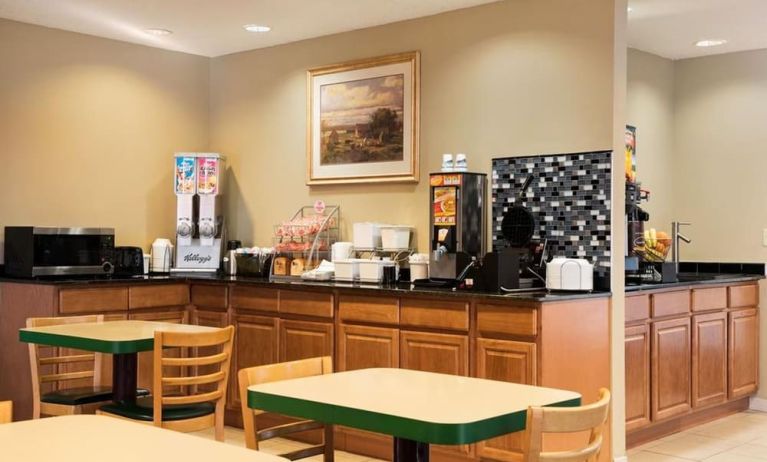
x,y
637,347
709,359
744,353
305,339
361,347
210,318
508,361
443,353
256,342
671,358
145,359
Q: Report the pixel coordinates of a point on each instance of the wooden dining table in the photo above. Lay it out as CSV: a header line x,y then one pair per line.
x,y
416,408
93,438
122,339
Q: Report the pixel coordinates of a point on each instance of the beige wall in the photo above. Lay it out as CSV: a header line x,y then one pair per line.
x,y
511,78
650,105
88,127
716,153
720,162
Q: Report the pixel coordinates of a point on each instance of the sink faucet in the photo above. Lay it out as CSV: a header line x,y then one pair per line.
x,y
677,236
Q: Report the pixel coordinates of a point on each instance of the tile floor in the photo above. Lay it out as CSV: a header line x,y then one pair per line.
x,y
737,438
236,437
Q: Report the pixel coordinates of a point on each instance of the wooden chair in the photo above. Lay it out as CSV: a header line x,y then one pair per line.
x,y
6,412
542,420
57,370
203,378
283,371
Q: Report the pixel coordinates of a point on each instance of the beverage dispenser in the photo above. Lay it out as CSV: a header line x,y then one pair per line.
x,y
458,222
200,231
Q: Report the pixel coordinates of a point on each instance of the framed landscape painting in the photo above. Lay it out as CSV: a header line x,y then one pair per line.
x,y
362,122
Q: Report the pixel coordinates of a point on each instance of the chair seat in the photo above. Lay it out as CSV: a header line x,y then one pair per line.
x,y
143,409
83,395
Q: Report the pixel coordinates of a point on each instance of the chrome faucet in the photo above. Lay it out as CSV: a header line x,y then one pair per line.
x,y
677,236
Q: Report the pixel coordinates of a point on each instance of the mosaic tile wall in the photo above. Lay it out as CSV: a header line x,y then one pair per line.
x,y
569,198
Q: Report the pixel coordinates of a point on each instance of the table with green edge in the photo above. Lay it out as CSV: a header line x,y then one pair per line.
x,y
416,408
123,339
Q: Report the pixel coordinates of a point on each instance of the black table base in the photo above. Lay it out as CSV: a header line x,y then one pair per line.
x,y
410,451
124,373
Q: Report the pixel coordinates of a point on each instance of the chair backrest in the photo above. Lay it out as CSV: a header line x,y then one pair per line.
x,y
48,366
273,373
6,411
216,368
591,417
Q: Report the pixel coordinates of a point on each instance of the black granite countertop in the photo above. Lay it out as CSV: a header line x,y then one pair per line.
x,y
697,279
538,295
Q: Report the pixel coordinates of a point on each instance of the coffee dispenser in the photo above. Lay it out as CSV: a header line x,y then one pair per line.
x,y
458,222
200,231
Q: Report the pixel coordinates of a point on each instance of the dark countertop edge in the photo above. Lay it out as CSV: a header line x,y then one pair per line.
x,y
367,289
707,282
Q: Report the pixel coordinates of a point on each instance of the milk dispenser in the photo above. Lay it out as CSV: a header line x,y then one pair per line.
x,y
200,231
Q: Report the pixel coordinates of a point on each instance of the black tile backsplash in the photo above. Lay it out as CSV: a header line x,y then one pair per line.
x,y
569,198
757,269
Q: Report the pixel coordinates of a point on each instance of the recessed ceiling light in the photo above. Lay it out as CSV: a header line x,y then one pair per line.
x,y
156,31
629,9
710,43
256,28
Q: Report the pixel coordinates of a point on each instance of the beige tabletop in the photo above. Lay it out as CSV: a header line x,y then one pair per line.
x,y
422,406
105,337
92,438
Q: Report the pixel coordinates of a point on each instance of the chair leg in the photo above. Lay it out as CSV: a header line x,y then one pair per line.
x,y
219,423
328,441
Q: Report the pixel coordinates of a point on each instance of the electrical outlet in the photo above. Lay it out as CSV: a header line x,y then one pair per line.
x,y
764,237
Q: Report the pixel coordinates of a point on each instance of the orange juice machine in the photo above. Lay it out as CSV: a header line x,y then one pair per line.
x,y
458,223
200,231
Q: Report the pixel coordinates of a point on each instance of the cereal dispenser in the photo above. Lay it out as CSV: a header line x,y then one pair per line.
x,y
200,231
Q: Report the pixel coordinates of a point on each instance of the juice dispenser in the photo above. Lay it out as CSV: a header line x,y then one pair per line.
x,y
458,222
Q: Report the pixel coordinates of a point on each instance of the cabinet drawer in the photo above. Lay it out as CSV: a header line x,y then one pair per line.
x,y
637,308
306,303
671,303
712,298
75,301
209,296
158,295
744,296
255,298
437,314
506,320
368,309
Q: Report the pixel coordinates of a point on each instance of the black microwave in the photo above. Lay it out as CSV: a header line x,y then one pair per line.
x,y
32,251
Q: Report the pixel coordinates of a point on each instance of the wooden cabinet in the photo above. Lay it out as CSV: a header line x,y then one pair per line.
x,y
305,339
145,359
743,352
509,361
637,370
361,347
210,318
256,342
709,359
671,358
443,353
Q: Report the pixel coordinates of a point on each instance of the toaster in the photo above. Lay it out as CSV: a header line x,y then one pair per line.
x,y
570,274
128,261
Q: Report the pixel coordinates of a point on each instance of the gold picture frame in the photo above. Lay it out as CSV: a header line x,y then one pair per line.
x,y
363,121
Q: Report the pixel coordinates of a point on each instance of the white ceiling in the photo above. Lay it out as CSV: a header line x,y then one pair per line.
x,y
670,28
214,27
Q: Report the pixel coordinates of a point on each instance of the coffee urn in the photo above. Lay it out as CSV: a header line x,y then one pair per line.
x,y
458,222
